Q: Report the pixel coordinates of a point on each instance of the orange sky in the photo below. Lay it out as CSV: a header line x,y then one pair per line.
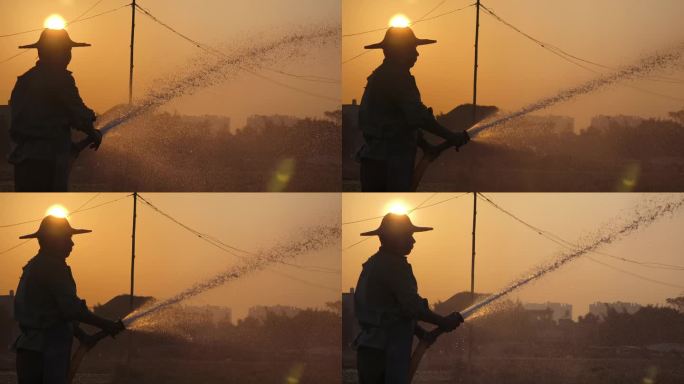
x,y
505,248
514,71
101,71
169,258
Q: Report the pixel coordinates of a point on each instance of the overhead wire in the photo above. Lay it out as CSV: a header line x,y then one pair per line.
x,y
422,19
77,210
77,20
220,54
418,207
555,48
227,247
558,240
80,209
569,245
573,59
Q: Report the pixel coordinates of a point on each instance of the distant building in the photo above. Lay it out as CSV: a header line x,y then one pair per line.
x,y
8,335
4,130
601,309
7,303
603,123
558,310
213,122
350,327
218,314
542,125
260,312
260,122
352,139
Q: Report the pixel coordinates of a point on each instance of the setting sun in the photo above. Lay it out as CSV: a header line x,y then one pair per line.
x,y
57,211
399,21
54,21
397,207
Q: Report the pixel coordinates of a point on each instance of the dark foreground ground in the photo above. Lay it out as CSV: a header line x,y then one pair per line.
x,y
302,369
549,370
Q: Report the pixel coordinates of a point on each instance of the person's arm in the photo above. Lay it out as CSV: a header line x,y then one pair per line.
x,y
399,278
72,308
419,116
81,117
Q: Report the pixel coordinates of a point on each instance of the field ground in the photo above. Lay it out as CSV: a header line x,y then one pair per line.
x,y
308,369
549,371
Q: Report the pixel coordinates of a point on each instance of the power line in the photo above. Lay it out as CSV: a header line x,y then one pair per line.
x,y
87,11
220,54
418,207
78,210
414,23
422,19
77,20
635,274
573,58
568,245
226,247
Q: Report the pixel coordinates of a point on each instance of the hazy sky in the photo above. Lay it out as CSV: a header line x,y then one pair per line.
x,y
505,248
101,71
514,71
170,259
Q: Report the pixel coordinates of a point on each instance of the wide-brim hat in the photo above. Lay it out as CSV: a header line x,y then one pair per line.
x,y
400,37
53,226
54,38
397,224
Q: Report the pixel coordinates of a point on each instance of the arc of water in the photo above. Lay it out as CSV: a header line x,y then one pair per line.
x,y
653,211
642,68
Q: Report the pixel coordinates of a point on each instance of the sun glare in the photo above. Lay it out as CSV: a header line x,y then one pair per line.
x,y
399,21
397,207
57,211
54,21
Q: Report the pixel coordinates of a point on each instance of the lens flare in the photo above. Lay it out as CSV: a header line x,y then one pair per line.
x,y
399,21
57,211
397,207
54,21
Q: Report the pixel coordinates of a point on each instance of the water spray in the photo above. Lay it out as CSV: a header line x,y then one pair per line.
x,y
217,66
315,238
643,68
646,213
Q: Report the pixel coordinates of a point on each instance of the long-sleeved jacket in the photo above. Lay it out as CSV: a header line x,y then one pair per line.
x,y
386,296
391,113
45,106
387,306
46,305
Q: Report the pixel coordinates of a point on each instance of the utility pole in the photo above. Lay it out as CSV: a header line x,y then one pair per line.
x,y
131,301
472,262
477,36
135,205
472,280
130,75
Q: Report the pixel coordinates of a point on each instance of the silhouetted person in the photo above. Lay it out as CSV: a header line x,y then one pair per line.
x,y
45,106
392,117
387,306
48,309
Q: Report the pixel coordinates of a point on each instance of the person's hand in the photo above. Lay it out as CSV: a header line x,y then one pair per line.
x,y
451,322
96,137
460,139
113,328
